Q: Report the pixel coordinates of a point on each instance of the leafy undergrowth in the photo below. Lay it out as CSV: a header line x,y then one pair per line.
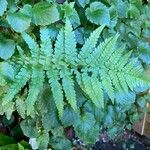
x,y
80,64
11,137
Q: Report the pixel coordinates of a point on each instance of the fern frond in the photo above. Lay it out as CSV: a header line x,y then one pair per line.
x,y
101,55
36,85
8,109
97,69
34,48
122,81
93,88
20,80
21,106
59,47
45,47
53,76
107,84
123,61
98,91
68,87
70,43
90,45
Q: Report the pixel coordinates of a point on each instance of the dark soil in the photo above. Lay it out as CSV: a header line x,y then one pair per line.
x,y
130,140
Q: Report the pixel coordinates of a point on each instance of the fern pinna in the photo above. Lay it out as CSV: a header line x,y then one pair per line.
x,y
97,68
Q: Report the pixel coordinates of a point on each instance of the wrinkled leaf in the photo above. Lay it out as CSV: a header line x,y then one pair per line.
x,y
19,21
7,47
45,13
3,6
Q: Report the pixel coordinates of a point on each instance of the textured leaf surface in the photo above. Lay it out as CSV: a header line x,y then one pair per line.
x,y
98,13
45,13
86,128
19,21
7,48
83,2
3,6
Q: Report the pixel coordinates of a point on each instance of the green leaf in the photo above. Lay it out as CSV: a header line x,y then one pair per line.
x,y
21,107
43,140
86,128
5,140
3,6
133,12
68,8
98,13
83,3
20,147
60,143
69,117
28,128
8,147
50,121
7,71
45,13
7,47
121,7
19,21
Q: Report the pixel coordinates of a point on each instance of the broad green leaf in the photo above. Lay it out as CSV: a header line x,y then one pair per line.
x,y
86,128
121,7
7,70
68,8
28,128
133,12
45,13
98,13
69,117
43,140
6,73
3,6
19,21
27,10
5,140
60,143
83,3
7,47
20,147
50,121
9,147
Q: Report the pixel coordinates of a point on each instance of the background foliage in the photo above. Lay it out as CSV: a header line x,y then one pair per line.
x,y
130,19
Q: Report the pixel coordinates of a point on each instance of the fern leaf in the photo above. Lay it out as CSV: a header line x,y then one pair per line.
x,y
122,81
103,52
21,53
21,107
8,109
68,87
59,46
32,45
115,57
20,80
36,85
94,89
70,43
97,88
114,79
90,44
56,87
123,61
45,47
107,85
